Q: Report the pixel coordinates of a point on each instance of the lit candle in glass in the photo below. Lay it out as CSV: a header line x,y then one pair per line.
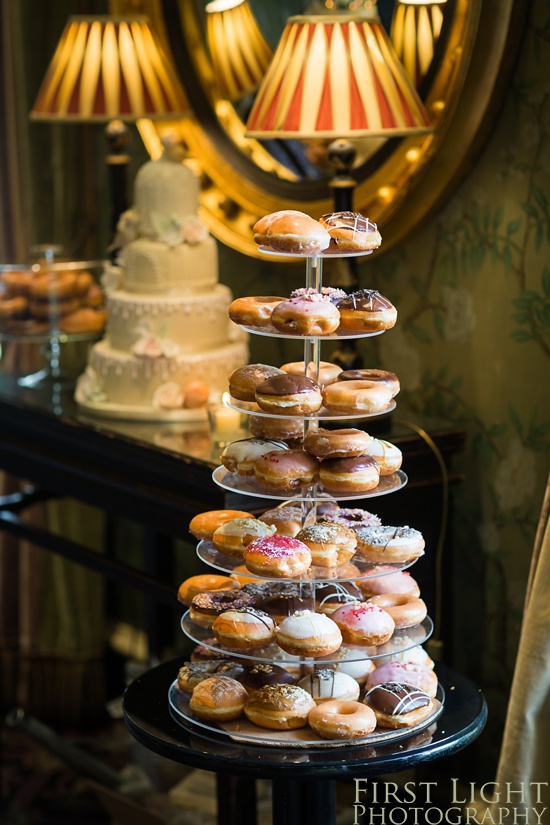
x,y
226,420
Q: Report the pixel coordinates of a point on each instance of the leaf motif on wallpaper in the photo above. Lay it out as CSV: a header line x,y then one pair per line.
x,y
535,314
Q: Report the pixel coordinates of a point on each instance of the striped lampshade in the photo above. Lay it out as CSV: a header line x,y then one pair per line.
x,y
336,76
415,30
109,67
240,54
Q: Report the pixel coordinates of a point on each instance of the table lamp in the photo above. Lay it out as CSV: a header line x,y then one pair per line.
x,y
239,51
415,29
109,70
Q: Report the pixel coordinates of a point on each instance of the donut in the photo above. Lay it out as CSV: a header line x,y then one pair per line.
x,y
364,624
366,310
336,443
53,309
387,456
328,373
295,232
353,663
51,286
206,606
329,596
254,310
406,611
349,475
279,707
244,628
286,469
278,556
232,537
306,633
240,456
84,319
244,380
83,282
415,655
203,526
310,315
284,429
202,583
17,283
242,576
286,520
345,572
202,653
326,684
289,395
262,225
398,706
390,544
389,379
282,600
218,699
325,506
334,295
94,297
353,517
255,677
351,232
405,673
331,545
341,719
192,673
399,581
356,397
15,307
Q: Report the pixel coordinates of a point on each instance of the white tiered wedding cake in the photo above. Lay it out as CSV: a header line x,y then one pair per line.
x,y
169,346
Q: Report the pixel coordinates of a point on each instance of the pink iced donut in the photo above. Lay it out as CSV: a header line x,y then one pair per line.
x,y
399,582
405,673
353,517
362,623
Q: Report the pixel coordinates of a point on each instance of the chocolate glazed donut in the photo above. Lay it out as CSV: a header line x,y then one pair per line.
x,y
367,310
289,395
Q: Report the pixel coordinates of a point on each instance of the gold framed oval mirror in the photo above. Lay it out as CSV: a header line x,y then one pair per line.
x,y
398,186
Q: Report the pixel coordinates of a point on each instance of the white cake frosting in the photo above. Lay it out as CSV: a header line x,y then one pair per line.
x,y
168,324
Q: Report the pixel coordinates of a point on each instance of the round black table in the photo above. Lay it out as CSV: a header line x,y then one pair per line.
x,y
303,779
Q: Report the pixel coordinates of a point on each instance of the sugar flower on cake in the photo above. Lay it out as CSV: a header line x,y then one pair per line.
x,y
149,345
173,231
111,278
194,231
89,387
168,396
127,228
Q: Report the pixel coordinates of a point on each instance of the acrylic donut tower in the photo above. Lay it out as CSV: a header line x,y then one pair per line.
x,y
308,499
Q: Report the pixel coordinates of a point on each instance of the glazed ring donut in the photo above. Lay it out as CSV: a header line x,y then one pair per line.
x,y
286,469
54,308
349,475
254,310
244,628
278,556
406,611
364,624
84,319
311,315
351,232
244,380
295,232
342,719
356,397
50,286
218,699
232,537
200,584
367,310
289,429
279,707
389,379
390,544
331,545
240,456
398,706
287,520
388,457
405,673
204,525
289,395
261,226
206,606
328,373
15,307
17,283
336,443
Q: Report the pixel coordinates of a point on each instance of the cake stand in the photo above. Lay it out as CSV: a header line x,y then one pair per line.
x,y
401,641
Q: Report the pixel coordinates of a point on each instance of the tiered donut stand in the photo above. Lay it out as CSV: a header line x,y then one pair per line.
x,y
242,730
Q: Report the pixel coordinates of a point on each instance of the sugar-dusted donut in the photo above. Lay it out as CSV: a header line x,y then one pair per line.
x,y
287,520
353,517
390,544
277,556
331,545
